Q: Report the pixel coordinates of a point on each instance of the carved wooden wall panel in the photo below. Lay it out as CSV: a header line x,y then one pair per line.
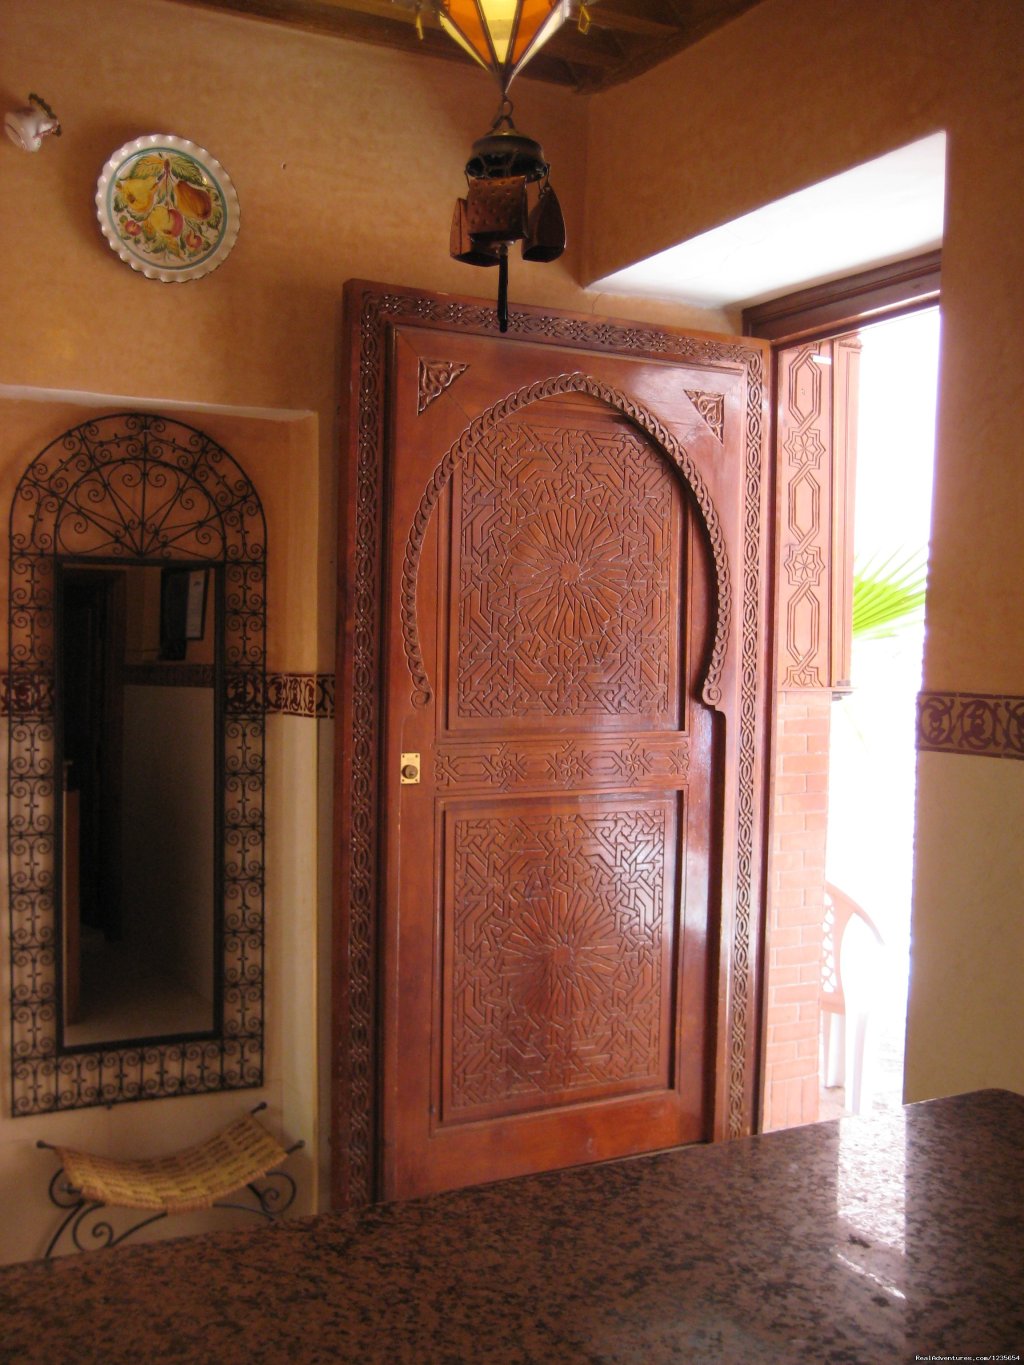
x,y
566,995
804,439
678,456
711,407
597,762
817,443
434,377
845,404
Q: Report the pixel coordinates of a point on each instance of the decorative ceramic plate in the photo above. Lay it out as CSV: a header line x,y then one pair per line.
x,y
167,207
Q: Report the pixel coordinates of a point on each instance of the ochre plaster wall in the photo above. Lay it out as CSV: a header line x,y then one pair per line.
x,y
347,160
789,94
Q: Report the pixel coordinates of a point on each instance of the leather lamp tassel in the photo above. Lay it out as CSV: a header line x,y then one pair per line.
x,y
506,171
503,288
503,35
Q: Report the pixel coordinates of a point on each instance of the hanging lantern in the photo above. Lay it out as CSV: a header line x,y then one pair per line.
x,y
502,35
508,200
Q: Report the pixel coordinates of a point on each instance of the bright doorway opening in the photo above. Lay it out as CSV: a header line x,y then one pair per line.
x,y
872,753
854,461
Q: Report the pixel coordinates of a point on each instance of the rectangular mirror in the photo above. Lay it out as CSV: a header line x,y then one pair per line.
x,y
136,742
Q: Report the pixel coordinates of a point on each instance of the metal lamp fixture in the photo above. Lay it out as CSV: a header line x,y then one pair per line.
x,y
502,35
509,198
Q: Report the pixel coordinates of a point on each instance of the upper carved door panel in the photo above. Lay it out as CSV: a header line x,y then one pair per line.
x,y
565,551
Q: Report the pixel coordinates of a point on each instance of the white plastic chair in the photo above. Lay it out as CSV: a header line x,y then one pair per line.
x,y
851,970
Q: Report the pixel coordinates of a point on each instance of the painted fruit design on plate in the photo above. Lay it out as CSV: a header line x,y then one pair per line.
x,y
167,209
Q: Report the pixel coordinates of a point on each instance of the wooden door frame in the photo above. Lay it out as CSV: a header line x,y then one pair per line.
x,y
840,306
824,313
373,310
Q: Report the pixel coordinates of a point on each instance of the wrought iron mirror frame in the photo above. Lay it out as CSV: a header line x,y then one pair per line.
x,y
130,488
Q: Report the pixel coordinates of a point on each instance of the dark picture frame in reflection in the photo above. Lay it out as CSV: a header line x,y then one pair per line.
x,y
183,595
107,509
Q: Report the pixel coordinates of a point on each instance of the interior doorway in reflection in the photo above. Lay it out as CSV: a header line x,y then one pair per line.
x,y
137,730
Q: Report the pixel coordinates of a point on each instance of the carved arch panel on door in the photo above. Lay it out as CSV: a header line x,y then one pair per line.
x,y
377,315
646,421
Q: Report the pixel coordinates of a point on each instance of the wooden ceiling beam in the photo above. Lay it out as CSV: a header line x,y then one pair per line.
x,y
621,43
604,16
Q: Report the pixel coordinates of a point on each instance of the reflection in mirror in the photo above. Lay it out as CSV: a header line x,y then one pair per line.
x,y
136,724
135,788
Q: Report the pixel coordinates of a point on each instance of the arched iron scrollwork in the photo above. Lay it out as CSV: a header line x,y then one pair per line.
x,y
133,487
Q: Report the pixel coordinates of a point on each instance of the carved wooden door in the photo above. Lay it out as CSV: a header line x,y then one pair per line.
x,y
558,801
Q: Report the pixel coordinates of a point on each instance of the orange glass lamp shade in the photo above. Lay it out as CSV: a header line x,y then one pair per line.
x,y
502,35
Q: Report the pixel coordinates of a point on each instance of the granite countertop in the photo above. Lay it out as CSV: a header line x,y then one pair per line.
x,y
864,1240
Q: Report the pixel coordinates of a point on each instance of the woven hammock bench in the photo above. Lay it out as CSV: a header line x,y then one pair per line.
x,y
199,1177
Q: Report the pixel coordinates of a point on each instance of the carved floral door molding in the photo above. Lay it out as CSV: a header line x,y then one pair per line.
x,y
687,421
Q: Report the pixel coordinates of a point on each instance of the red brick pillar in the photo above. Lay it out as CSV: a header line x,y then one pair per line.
x,y
796,879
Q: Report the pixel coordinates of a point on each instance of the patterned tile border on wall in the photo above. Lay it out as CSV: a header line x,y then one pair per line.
x,y
301,694
970,723
947,722
287,694
168,675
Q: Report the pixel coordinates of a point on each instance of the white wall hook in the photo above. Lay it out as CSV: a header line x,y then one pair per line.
x,y
27,127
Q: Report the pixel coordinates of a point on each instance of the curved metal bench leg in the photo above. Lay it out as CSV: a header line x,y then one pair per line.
x,y
75,1208
100,1234
272,1199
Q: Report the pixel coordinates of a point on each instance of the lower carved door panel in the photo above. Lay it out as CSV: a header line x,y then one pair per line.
x,y
568,750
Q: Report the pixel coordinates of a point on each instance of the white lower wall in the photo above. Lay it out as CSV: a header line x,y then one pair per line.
x,y
965,1020
291,935
325,759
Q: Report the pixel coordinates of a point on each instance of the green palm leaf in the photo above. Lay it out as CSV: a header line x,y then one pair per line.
x,y
889,593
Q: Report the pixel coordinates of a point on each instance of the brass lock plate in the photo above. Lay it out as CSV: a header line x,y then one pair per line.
x,y
410,769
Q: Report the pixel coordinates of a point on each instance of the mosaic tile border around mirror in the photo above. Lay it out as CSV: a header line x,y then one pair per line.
x,y
120,489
